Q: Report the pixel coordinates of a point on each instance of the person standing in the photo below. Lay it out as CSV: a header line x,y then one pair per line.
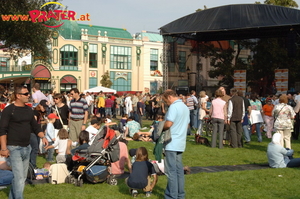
x,y
196,109
236,113
90,102
202,111
140,109
78,115
255,116
128,105
190,104
177,120
218,113
283,114
101,104
108,106
61,109
16,124
296,131
245,124
37,95
268,118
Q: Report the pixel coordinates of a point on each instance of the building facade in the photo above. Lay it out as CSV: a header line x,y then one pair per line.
x,y
82,53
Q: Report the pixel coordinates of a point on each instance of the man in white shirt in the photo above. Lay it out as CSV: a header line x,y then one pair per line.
x,y
128,105
90,102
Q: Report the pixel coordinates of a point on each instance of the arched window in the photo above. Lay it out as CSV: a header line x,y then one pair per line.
x,y
68,82
68,58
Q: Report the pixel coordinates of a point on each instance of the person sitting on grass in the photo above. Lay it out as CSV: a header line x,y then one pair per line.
x,y
142,171
280,157
93,129
146,136
132,127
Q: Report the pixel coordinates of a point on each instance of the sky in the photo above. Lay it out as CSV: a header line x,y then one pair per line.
x,y
138,15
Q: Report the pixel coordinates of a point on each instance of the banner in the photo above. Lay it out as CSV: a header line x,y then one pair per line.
x,y
240,80
281,80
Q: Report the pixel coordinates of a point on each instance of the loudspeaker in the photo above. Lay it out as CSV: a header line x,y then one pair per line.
x,y
173,52
182,90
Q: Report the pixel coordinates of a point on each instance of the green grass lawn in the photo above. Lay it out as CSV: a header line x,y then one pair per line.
x,y
266,183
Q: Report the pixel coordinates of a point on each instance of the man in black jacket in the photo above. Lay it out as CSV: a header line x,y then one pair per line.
x,y
236,113
16,124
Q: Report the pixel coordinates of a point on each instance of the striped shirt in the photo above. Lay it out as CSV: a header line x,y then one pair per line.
x,y
78,108
190,103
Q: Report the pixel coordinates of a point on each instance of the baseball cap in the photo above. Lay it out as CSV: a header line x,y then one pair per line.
x,y
52,115
132,152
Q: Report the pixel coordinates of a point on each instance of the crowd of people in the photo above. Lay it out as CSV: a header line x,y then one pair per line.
x,y
62,123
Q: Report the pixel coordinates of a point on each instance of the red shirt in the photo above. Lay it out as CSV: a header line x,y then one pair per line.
x,y
267,109
108,103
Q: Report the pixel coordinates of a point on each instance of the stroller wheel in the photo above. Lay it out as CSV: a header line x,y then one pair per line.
x,y
72,179
112,181
80,183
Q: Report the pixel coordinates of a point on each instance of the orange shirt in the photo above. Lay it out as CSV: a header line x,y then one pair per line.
x,y
267,109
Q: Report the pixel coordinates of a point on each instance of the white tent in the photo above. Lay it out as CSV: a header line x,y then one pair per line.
x,y
100,88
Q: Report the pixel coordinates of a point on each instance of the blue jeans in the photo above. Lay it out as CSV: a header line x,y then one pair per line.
x,y
258,133
199,131
34,143
247,133
50,153
294,162
19,159
108,111
175,174
194,118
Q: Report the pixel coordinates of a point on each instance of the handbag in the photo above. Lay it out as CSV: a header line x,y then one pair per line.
x,y
278,114
63,125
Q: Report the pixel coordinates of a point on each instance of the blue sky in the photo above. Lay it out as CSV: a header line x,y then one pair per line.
x,y
138,15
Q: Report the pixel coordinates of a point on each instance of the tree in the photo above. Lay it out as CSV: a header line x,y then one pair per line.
x,y
20,37
105,81
284,3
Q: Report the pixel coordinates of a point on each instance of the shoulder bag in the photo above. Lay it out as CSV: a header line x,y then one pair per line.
x,y
64,126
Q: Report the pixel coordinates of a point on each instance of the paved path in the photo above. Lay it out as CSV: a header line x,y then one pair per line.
x,y
212,169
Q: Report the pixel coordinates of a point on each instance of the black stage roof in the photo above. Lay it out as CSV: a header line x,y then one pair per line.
x,y
242,21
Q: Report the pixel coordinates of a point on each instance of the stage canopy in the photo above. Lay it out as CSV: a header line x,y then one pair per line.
x,y
100,88
231,22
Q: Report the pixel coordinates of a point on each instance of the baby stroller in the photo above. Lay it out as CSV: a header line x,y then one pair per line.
x,y
93,164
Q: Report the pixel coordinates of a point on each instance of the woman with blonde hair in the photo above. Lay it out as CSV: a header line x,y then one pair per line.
x,y
202,110
283,115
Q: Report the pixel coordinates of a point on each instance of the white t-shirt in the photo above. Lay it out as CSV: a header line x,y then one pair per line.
x,y
128,104
92,133
62,146
89,100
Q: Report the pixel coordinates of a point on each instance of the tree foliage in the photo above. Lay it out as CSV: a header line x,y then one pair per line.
x,y
24,36
105,81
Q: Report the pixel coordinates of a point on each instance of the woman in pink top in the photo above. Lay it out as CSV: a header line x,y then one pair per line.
x,y
218,112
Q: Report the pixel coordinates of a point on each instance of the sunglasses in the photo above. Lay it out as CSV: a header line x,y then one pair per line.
x,y
56,98
26,94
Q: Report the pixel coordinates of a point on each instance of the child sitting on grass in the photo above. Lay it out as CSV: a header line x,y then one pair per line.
x,y
64,146
142,171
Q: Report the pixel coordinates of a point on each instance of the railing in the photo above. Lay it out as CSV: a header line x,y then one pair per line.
x,y
16,68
